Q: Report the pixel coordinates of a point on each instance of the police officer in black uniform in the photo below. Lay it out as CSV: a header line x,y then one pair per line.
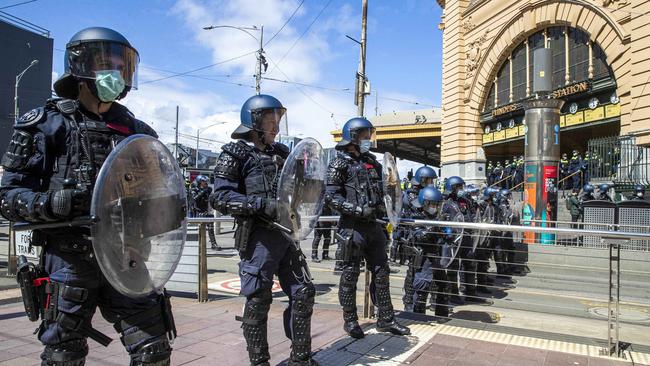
x,y
603,191
639,193
51,166
430,276
424,176
200,193
246,177
354,188
504,251
322,230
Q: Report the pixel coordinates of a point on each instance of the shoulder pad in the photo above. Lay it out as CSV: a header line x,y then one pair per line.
x,y
31,118
237,149
282,149
142,127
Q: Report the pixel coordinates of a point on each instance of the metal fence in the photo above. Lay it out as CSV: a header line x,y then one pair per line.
x,y
611,281
620,160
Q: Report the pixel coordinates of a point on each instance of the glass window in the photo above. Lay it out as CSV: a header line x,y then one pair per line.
x,y
601,69
503,84
578,55
489,101
519,72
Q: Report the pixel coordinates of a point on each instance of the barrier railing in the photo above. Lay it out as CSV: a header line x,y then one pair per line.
x,y
611,278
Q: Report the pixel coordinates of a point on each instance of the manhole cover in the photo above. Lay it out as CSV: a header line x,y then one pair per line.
x,y
631,315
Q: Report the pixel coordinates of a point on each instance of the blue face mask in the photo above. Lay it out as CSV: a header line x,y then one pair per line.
x,y
110,85
365,145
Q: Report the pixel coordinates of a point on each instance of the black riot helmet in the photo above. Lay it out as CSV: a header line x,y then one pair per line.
x,y
103,59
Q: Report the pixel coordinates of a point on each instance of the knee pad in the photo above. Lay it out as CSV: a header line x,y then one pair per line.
x,y
68,353
153,353
303,300
143,329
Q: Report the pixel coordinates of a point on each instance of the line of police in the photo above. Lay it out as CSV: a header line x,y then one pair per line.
x,y
428,251
508,175
51,166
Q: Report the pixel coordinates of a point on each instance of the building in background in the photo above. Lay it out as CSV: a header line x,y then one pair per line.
x,y
21,43
601,62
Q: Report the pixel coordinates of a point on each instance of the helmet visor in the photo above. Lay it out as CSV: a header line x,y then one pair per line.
x,y
427,181
432,207
271,120
86,59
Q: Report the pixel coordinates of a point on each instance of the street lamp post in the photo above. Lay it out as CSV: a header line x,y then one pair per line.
x,y
18,77
198,134
261,60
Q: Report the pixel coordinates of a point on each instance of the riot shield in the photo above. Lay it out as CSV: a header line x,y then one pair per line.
x,y
140,202
483,217
301,188
453,235
392,189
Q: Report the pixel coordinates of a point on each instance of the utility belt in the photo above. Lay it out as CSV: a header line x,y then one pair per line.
x,y
41,297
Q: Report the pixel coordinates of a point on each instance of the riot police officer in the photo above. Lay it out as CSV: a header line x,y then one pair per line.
x,y
322,230
51,166
430,276
424,176
603,193
639,193
587,194
200,193
482,255
465,261
354,189
247,173
504,251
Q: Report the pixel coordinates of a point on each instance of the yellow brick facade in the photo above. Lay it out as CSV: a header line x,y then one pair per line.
x,y
479,35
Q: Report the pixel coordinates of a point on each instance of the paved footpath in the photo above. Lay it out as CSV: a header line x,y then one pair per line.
x,y
209,335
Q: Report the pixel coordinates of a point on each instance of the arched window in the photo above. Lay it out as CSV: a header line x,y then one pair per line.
x,y
567,44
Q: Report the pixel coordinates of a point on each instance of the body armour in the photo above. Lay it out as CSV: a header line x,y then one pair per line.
x,y
58,142
255,174
355,183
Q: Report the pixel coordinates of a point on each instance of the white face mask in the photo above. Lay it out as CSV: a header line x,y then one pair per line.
x,y
639,194
365,145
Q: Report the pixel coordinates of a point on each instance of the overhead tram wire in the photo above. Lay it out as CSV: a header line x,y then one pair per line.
x,y
285,23
348,91
194,76
302,34
17,4
199,69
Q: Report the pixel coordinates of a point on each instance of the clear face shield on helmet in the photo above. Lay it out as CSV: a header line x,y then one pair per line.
x,y
427,181
432,208
113,66
366,138
271,123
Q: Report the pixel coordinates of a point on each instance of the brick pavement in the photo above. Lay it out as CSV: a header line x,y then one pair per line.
x,y
209,335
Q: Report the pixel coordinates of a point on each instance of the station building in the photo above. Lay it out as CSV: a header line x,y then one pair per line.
x,y
601,67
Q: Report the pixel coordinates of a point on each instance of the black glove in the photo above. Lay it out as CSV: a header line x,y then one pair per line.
x,y
70,202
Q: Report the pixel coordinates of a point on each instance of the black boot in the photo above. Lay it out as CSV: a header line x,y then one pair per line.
x,y
353,329
326,256
392,326
314,258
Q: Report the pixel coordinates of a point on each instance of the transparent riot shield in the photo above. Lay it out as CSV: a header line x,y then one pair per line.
x,y
453,235
487,216
301,188
392,189
140,202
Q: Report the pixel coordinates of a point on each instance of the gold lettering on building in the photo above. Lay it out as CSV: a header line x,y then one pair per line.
x,y
569,90
505,109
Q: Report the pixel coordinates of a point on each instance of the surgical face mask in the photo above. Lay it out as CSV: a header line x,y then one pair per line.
x,y
365,145
109,84
474,197
639,194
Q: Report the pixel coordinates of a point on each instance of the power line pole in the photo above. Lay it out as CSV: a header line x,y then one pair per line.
x,y
261,60
176,143
361,73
